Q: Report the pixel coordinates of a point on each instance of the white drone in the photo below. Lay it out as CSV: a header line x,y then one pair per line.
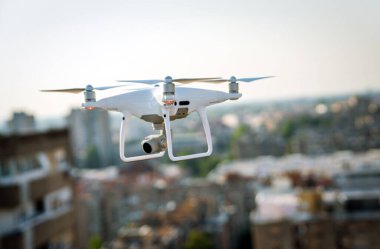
x,y
159,104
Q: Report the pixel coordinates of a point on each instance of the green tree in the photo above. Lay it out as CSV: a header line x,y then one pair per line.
x,y
287,129
237,133
95,242
199,167
93,159
207,164
198,240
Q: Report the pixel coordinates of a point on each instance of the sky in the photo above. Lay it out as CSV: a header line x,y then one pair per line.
x,y
314,48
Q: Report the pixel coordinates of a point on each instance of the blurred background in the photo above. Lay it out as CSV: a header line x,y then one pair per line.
x,y
296,160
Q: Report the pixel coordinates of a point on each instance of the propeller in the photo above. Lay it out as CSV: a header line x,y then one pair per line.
x,y
169,79
233,79
79,90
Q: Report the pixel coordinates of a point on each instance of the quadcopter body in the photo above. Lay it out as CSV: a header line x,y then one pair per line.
x,y
160,102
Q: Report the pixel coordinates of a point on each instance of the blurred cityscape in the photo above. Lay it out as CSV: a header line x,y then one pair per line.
x,y
291,174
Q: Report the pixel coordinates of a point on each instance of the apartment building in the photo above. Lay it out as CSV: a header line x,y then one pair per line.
x,y
36,191
21,123
346,217
91,138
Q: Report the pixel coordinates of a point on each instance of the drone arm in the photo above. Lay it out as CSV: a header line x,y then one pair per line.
x,y
203,116
123,133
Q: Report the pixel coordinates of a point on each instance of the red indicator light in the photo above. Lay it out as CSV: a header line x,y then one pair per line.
x,y
168,102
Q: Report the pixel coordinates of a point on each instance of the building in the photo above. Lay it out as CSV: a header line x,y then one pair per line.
x,y
344,232
345,217
91,138
21,123
144,206
36,191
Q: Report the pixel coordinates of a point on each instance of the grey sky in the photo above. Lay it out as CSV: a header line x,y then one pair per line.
x,y
313,47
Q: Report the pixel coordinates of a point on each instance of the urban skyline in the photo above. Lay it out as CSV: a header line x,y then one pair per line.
x,y
286,170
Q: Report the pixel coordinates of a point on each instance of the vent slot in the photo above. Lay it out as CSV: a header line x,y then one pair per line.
x,y
185,102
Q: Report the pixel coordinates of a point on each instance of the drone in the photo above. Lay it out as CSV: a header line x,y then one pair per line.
x,y
160,102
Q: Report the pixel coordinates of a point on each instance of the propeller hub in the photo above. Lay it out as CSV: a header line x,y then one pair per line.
x,y
233,86
168,80
89,88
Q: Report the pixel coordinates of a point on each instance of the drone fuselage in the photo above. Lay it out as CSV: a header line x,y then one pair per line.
x,y
159,104
147,104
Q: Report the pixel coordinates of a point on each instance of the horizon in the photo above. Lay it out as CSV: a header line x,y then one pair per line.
x,y
288,99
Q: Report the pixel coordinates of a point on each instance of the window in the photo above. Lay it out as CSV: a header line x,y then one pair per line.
x,y
11,167
43,160
60,157
39,206
4,171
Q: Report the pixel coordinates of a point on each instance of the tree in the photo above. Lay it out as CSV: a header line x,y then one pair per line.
x,y
199,167
237,134
198,240
95,242
93,159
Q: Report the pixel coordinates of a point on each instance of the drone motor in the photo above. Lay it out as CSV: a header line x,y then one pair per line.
x,y
89,94
168,97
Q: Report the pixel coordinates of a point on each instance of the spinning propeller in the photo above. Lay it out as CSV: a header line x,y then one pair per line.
x,y
234,85
168,86
169,80
88,88
233,79
89,93
168,95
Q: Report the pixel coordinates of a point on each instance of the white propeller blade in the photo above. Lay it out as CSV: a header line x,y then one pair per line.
x,y
169,79
79,90
233,79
